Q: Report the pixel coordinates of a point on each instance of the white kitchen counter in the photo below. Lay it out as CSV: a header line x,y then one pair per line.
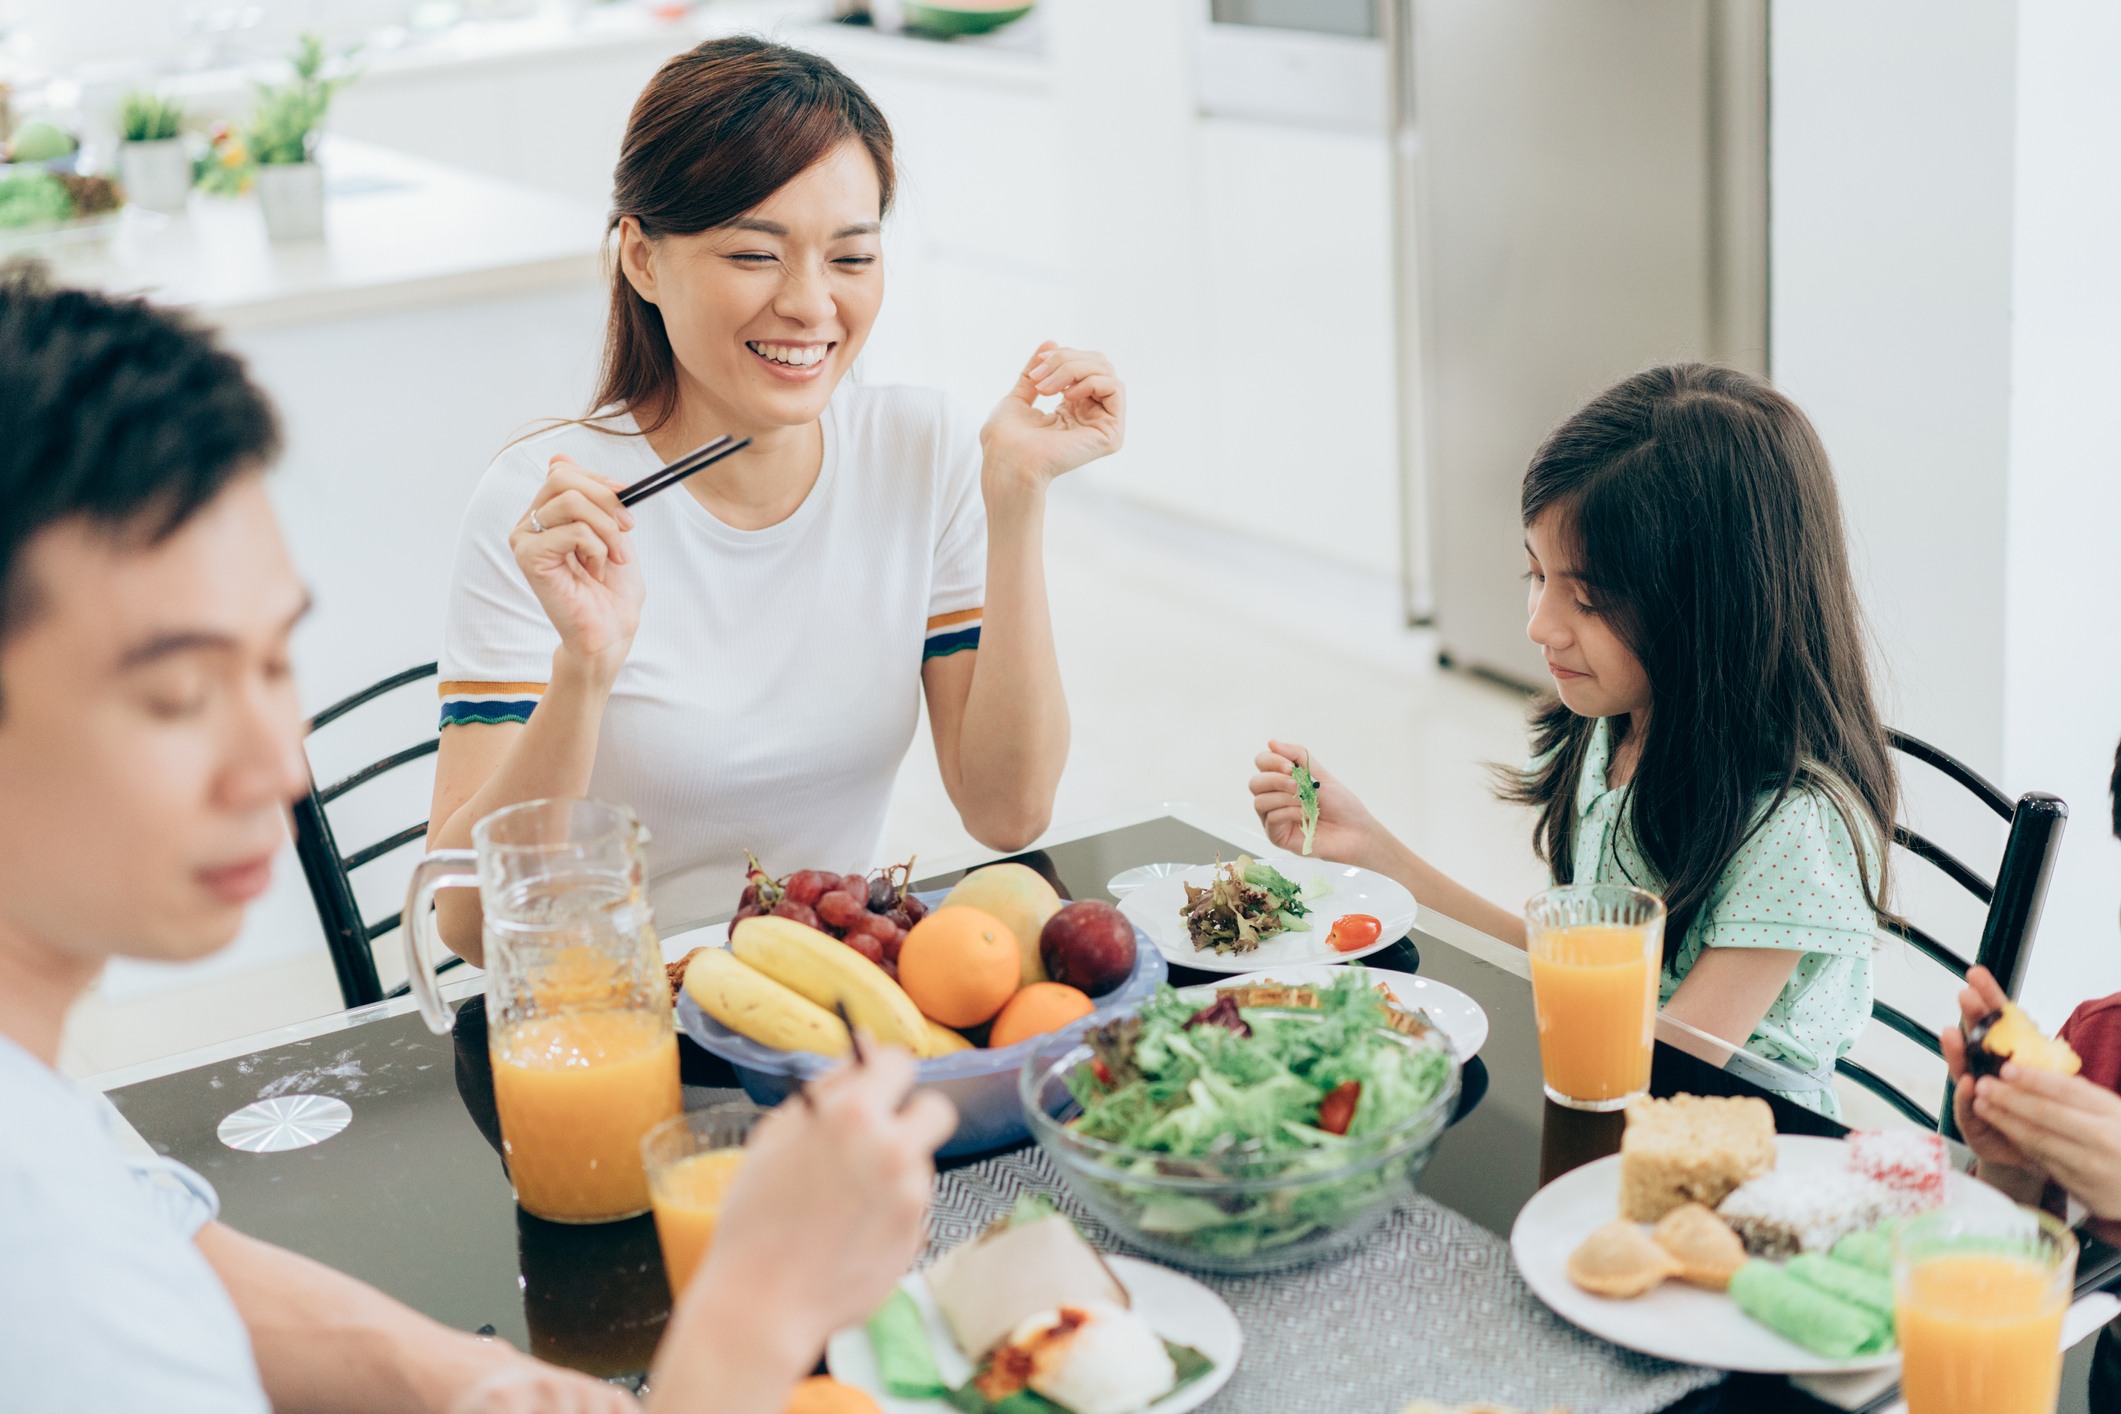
x,y
401,233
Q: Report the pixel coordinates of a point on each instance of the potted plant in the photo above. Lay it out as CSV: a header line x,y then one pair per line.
x,y
152,161
282,141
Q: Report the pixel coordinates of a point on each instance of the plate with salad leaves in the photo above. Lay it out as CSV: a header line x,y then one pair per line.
x,y
1243,914
1449,1010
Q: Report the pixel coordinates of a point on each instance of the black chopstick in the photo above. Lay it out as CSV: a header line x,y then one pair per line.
x,y
853,1040
683,467
839,1005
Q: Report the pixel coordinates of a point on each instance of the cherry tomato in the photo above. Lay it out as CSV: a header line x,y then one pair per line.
x,y
1098,1069
1337,1110
1352,931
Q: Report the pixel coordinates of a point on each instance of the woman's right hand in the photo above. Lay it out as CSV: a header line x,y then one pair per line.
x,y
1347,832
573,547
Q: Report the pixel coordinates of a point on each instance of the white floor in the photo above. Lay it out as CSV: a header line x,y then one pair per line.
x,y
1183,651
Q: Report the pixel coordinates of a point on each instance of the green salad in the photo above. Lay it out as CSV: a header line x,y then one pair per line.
x,y
1223,1092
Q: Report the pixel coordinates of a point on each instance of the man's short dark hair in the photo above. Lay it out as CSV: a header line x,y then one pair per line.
x,y
2113,792
114,412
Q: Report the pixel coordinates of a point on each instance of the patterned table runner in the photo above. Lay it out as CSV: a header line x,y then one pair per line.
x,y
1430,1306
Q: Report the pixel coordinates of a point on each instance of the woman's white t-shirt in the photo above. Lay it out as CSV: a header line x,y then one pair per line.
x,y
774,684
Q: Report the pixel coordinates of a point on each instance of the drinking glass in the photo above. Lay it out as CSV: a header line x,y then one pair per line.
x,y
691,1160
1596,953
1979,1295
579,1023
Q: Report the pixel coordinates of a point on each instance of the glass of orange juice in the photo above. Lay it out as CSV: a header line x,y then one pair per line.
x,y
1979,1295
1596,952
691,1160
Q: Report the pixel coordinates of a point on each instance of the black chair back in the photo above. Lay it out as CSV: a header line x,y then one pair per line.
x,y
2013,900
330,873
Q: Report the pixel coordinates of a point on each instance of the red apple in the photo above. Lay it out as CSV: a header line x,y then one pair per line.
x,y
1089,946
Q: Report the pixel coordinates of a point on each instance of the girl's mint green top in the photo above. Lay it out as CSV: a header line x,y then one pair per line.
x,y
1795,883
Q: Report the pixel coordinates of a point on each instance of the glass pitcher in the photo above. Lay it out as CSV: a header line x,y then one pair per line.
x,y
578,1008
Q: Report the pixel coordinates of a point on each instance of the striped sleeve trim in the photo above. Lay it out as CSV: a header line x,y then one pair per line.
x,y
488,703
952,633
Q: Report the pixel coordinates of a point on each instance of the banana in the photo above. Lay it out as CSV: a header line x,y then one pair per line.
x,y
940,1041
826,970
752,1004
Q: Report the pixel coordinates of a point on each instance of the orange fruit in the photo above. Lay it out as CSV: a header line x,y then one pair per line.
x,y
821,1394
1038,1008
959,965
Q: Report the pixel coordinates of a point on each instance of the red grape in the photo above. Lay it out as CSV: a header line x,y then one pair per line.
x,y
892,944
880,894
854,886
899,918
801,913
806,885
915,909
749,910
865,945
751,896
840,909
874,924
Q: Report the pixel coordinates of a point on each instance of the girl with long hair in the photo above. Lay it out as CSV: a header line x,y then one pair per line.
x,y
1712,737
742,659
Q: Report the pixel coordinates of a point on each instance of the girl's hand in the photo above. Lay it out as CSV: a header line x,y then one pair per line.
x,y
1346,831
1089,422
829,1209
573,547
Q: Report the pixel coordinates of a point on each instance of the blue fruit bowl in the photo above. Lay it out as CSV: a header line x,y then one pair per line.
x,y
981,1083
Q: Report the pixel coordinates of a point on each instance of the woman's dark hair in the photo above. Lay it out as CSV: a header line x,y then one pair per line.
x,y
717,131
115,413
1701,511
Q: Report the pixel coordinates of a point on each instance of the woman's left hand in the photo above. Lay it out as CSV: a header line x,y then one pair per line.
x,y
1090,421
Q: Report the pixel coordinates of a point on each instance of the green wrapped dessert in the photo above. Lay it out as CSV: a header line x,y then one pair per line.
x,y
1817,1320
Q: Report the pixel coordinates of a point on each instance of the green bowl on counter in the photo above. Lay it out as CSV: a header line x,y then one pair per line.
x,y
963,17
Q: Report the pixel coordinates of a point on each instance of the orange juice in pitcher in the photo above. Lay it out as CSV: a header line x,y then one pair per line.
x,y
579,1023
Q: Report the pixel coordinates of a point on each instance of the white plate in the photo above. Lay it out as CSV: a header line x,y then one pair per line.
x,y
1157,908
1458,1014
1176,1307
1676,1321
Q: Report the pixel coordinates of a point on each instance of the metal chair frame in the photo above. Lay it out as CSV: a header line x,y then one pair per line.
x,y
330,873
2014,902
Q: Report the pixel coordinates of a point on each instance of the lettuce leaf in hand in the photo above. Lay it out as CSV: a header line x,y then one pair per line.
x,y
1307,797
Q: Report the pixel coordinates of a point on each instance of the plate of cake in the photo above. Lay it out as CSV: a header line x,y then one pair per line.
x,y
1710,1239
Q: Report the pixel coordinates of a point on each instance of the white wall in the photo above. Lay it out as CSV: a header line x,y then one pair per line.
x,y
1942,173
2062,520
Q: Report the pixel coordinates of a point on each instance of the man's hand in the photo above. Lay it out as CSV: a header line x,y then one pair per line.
x,y
1979,998
529,1387
827,1212
2067,1126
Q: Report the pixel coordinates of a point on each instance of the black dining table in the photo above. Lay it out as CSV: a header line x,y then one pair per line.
x,y
411,1196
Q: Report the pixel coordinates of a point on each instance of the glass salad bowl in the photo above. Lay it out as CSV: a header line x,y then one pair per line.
x,y
1235,1211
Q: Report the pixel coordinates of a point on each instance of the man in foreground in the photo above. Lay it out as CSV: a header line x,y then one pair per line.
x,y
150,740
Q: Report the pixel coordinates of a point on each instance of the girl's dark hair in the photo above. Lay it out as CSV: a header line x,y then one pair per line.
x,y
717,131
1704,524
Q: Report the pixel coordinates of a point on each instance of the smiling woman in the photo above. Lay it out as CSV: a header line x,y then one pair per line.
x,y
743,663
